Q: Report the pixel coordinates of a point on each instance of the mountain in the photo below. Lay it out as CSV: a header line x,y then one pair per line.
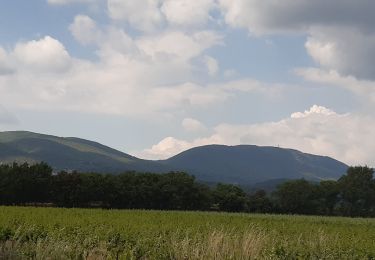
x,y
243,164
69,153
249,164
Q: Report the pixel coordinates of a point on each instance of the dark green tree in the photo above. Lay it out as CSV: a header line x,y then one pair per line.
x,y
297,197
66,189
229,197
357,192
328,192
259,202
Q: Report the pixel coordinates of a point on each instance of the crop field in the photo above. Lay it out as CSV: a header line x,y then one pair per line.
x,y
53,233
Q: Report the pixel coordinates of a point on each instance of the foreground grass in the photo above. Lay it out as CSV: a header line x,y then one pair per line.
x,y
51,233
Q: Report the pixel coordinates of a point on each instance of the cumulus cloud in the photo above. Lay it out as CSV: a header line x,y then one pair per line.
x,y
141,14
187,12
152,70
46,54
346,50
340,33
148,15
269,16
319,110
84,29
179,45
187,95
146,75
365,89
212,65
152,53
5,66
193,125
166,148
171,146
318,130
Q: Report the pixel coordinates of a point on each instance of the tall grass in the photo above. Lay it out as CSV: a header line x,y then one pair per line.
x,y
221,244
47,233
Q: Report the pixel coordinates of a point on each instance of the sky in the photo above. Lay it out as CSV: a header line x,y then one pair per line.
x,y
155,77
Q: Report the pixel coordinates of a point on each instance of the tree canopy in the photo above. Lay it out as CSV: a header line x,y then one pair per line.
x,y
23,184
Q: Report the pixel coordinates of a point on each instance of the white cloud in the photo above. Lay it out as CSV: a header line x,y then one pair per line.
x,y
365,89
171,146
269,16
142,76
319,110
341,33
317,130
5,66
96,88
114,44
249,85
349,51
166,148
148,15
141,14
178,45
187,12
193,125
187,95
212,65
46,54
84,29
323,52
152,54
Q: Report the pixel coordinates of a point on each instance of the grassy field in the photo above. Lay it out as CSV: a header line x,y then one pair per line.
x,y
50,233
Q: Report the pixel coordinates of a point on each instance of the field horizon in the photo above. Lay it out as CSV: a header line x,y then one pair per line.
x,y
60,233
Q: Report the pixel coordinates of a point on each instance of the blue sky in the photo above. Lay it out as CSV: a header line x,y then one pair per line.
x,y
156,77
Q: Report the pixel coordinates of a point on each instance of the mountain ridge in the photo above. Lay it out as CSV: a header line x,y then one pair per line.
x,y
258,160
241,164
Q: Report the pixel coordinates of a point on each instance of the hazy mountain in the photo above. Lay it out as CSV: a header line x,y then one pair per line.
x,y
69,153
243,164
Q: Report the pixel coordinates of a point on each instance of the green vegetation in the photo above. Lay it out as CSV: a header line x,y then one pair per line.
x,y
244,164
60,233
352,195
40,233
250,164
68,153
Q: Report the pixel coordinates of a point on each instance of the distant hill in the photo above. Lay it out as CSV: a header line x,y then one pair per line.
x,y
243,164
69,153
249,164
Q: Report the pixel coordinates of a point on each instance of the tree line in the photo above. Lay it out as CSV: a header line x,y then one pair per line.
x,y
23,184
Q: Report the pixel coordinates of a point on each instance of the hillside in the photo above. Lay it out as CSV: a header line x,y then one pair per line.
x,y
68,153
243,164
246,164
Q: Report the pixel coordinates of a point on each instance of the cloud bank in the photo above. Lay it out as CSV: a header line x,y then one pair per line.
x,y
318,130
152,60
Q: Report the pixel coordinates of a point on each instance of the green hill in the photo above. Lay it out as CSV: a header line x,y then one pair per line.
x,y
249,164
68,153
243,164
